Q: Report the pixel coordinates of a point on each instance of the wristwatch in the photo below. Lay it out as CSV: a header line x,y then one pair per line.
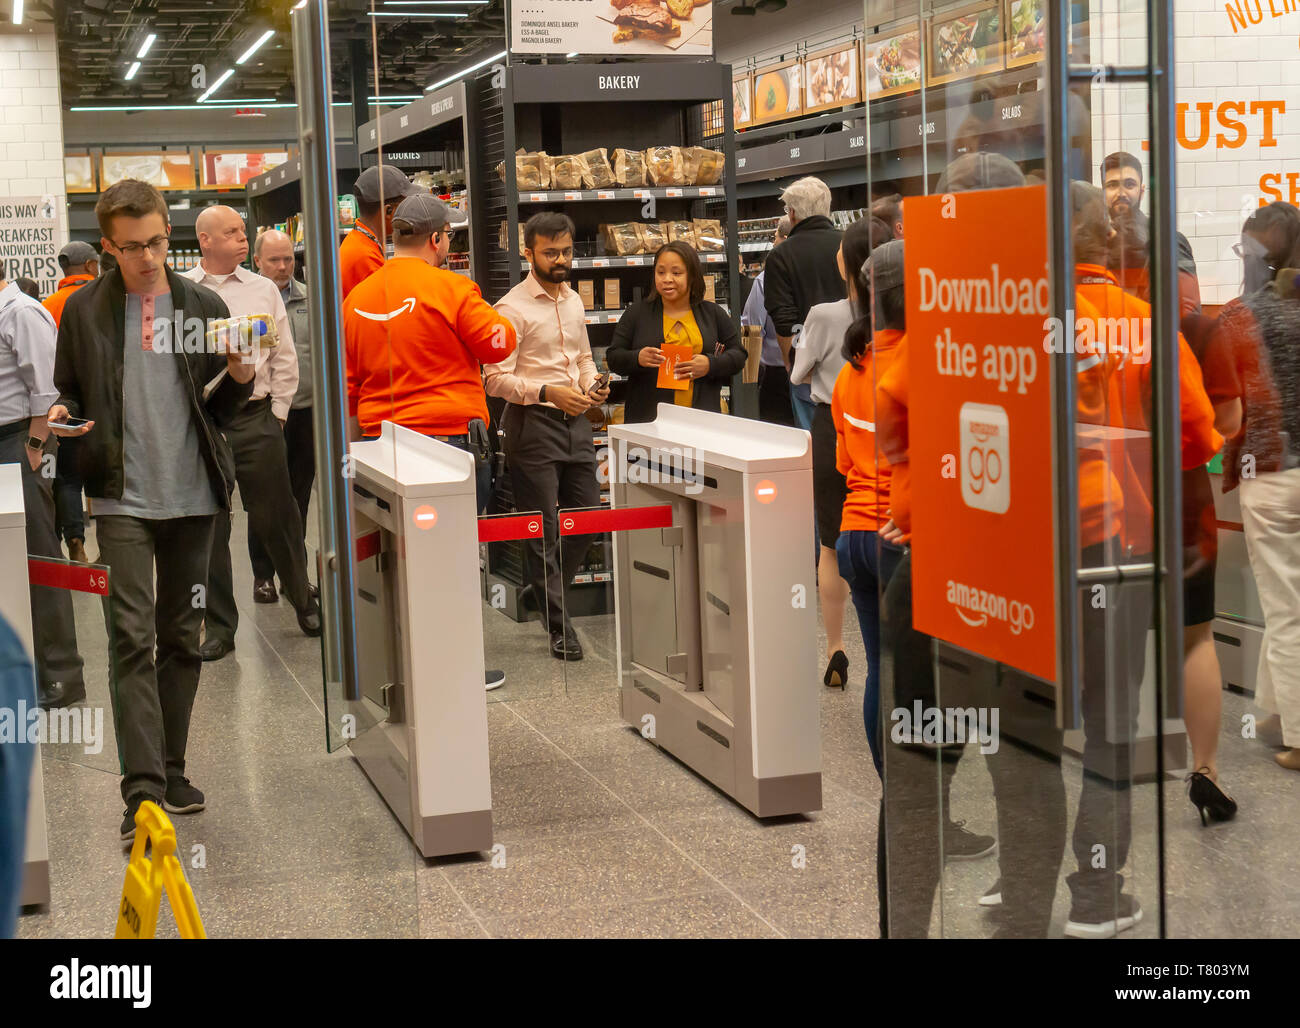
x,y
541,395
35,444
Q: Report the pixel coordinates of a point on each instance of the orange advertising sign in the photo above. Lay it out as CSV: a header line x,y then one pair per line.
x,y
981,424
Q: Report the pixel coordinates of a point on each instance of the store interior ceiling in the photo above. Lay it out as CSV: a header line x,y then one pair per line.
x,y
404,47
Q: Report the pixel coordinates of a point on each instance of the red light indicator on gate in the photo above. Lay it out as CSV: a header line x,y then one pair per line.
x,y
425,517
765,491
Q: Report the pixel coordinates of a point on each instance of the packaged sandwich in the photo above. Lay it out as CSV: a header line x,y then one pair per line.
x,y
683,231
629,168
568,171
702,166
708,235
664,166
599,175
652,236
244,333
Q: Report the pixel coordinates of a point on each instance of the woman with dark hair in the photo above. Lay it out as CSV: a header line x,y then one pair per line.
x,y
676,312
1262,328
818,358
865,560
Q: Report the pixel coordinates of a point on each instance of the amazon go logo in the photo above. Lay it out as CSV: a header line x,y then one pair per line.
x,y
977,607
985,457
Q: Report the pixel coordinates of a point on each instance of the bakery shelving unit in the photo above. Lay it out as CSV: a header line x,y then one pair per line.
x,y
430,139
276,196
571,109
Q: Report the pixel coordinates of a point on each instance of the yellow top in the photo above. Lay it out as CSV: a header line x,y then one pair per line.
x,y
684,331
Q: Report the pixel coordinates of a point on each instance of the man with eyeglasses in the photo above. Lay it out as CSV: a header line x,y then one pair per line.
x,y
158,473
550,381
256,437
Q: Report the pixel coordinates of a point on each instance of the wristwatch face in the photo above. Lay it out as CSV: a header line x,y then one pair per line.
x,y
34,443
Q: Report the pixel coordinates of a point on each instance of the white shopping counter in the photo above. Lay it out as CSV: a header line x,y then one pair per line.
x,y
717,616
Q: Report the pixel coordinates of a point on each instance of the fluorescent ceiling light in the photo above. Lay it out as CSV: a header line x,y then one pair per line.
x,y
574,54
130,72
434,3
171,107
256,46
144,47
418,14
216,85
461,74
18,12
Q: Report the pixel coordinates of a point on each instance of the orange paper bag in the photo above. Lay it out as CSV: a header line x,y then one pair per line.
x,y
674,352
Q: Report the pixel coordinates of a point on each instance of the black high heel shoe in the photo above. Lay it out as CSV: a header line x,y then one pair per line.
x,y
837,670
1213,803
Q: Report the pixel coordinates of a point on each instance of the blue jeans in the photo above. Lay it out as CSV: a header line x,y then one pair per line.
x,y
804,407
867,563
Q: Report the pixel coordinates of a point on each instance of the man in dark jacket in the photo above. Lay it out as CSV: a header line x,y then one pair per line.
x,y
803,272
158,473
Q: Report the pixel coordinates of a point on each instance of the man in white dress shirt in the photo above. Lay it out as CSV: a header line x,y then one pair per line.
x,y
256,437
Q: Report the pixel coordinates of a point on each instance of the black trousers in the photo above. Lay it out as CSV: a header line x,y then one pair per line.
x,y
261,468
54,630
1028,788
300,444
774,395
69,509
154,566
552,465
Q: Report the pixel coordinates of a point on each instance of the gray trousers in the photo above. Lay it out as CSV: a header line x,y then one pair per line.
x,y
155,687
54,631
262,470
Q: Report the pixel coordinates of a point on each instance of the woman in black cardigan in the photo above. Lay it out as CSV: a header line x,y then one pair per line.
x,y
677,311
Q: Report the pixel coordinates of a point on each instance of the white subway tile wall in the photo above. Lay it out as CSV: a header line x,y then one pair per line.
x,y
31,128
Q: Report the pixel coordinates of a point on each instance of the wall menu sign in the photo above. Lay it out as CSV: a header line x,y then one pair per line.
x,y
980,423
613,28
29,241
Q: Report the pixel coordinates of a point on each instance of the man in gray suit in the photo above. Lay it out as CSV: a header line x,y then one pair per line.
x,y
273,254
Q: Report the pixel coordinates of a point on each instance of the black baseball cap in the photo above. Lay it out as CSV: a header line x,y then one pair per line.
x,y
393,183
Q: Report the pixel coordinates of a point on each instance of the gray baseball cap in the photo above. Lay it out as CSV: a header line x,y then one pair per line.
x,y
422,213
980,170
392,181
885,265
76,254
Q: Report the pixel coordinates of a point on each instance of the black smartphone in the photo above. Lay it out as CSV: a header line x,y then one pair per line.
x,y
69,423
600,383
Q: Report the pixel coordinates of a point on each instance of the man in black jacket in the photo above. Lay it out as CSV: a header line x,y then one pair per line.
x,y
802,272
158,473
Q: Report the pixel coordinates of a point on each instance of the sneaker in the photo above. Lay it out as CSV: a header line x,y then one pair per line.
x,y
1103,924
961,844
992,898
181,797
494,679
128,821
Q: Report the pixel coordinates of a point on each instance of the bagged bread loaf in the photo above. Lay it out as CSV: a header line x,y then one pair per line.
x,y
532,170
702,166
683,231
629,168
652,236
621,239
599,175
708,235
663,165
568,171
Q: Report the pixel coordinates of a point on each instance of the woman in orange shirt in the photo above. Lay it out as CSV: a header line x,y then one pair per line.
x,y
866,562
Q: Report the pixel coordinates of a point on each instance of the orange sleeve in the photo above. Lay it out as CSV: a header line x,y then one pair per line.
x,y
490,336
352,328
1200,440
891,407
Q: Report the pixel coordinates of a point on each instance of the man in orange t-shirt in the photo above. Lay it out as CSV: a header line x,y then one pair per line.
x,y
80,265
378,190
415,336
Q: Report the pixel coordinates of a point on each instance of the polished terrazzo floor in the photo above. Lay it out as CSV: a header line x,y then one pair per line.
x,y
602,834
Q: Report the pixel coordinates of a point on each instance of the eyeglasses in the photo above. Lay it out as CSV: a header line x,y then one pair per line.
x,y
156,246
555,255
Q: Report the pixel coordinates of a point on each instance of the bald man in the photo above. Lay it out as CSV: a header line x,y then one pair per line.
x,y
256,436
274,258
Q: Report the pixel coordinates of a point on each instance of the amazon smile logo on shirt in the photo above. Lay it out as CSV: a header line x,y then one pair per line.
x,y
408,306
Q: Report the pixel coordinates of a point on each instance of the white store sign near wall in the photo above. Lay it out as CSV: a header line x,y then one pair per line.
x,y
30,240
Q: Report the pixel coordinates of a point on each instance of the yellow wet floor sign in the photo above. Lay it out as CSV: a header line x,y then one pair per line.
x,y
148,877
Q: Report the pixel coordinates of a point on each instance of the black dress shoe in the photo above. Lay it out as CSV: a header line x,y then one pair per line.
x,y
309,620
215,649
264,590
565,645
60,694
